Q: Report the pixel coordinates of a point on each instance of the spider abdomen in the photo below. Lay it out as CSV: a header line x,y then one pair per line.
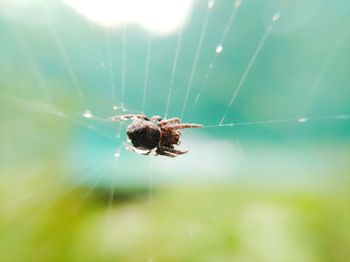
x,y
144,135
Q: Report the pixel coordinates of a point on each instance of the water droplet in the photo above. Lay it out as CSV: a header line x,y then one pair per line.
x,y
219,49
87,114
116,155
276,17
211,3
302,120
237,3
115,107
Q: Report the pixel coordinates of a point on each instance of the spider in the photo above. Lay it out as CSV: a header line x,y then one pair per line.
x,y
147,134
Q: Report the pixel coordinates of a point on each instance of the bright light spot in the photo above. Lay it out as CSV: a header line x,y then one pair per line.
x,y
276,17
302,120
116,155
219,49
158,16
211,3
237,3
87,114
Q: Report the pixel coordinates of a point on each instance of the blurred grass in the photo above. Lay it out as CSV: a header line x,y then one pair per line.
x,y
189,223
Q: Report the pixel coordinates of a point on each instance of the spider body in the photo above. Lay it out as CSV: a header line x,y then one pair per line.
x,y
143,134
147,134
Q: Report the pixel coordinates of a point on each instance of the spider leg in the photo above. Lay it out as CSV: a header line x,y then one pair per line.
x,y
174,120
183,126
126,117
156,118
161,151
146,154
138,151
177,152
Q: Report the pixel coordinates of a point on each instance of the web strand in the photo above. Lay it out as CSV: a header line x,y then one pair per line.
x,y
110,66
62,50
49,109
34,64
145,85
218,50
123,72
170,91
300,120
249,67
195,62
327,64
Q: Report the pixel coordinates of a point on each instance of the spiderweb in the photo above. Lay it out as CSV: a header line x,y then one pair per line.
x,y
230,68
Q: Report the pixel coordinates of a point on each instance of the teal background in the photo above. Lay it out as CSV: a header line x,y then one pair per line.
x,y
276,189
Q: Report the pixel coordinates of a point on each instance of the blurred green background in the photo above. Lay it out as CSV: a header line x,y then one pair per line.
x,y
273,187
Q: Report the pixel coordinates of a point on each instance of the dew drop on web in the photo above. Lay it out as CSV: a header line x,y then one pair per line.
x,y
276,17
219,49
87,114
237,3
211,3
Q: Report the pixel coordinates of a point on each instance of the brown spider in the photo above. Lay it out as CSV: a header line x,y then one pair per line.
x,y
149,133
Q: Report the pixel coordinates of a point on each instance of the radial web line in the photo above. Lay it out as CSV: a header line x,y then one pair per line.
x,y
71,187
108,216
53,110
170,91
300,120
123,76
34,64
262,41
110,65
227,28
328,62
102,167
145,85
150,225
54,182
102,171
59,44
240,149
195,62
48,107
